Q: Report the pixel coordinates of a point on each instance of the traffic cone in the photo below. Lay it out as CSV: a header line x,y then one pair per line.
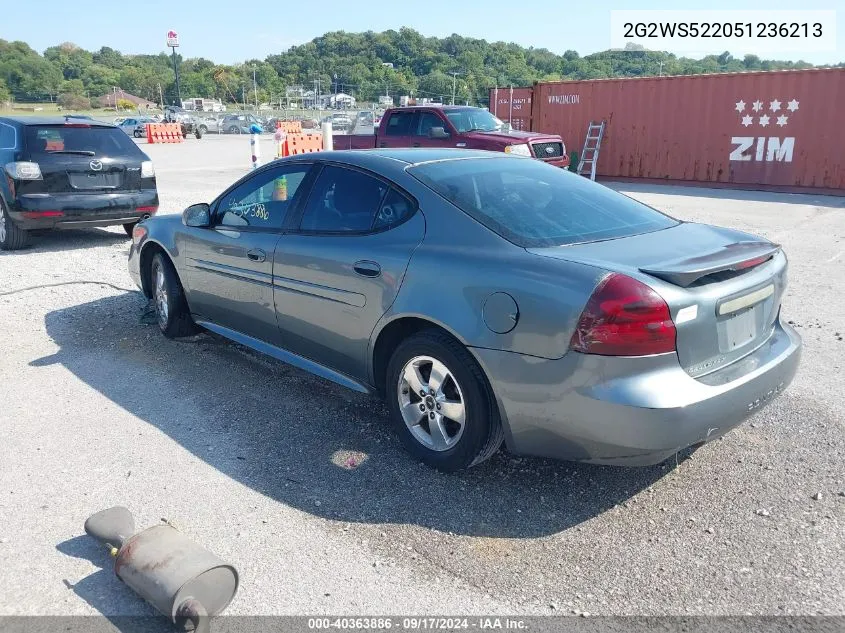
x,y
280,189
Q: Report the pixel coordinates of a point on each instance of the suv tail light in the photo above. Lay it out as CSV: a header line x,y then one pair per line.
x,y
624,317
147,169
23,170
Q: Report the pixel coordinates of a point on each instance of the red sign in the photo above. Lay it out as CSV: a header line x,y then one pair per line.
x,y
172,39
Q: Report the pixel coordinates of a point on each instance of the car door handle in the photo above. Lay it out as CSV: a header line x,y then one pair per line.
x,y
416,145
367,269
256,255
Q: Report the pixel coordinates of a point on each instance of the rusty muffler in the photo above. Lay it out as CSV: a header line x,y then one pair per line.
x,y
181,579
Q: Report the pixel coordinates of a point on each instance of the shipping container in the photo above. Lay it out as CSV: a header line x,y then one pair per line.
x,y
780,130
512,105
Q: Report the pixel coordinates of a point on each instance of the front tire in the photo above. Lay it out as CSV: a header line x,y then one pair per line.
x,y
234,130
12,237
172,314
440,403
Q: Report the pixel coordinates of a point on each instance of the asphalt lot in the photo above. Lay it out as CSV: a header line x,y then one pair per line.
x,y
251,457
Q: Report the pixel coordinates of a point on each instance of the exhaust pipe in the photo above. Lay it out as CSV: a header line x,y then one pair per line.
x,y
182,580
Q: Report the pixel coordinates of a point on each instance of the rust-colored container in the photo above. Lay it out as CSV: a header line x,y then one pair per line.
x,y
781,130
513,105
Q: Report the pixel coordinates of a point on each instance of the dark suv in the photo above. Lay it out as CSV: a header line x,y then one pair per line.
x,y
65,172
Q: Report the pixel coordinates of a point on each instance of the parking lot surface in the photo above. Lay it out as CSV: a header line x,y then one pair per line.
x,y
301,485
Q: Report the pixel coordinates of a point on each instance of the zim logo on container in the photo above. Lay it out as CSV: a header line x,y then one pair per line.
x,y
764,148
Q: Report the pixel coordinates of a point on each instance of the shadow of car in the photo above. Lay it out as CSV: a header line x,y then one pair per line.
x,y
296,438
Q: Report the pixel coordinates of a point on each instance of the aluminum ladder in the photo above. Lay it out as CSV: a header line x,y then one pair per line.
x,y
590,152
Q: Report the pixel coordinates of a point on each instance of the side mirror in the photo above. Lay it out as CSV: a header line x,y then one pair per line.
x,y
438,133
197,215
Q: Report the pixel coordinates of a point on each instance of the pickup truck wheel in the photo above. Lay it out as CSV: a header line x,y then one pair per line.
x,y
12,237
440,403
172,314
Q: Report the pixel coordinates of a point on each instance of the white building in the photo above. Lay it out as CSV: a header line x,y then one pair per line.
x,y
341,100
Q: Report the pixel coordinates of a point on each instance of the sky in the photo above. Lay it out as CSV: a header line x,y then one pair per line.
x,y
229,32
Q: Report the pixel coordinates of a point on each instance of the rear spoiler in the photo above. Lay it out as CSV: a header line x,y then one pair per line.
x,y
733,257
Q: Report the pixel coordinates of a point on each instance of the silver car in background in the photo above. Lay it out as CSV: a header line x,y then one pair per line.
x,y
487,298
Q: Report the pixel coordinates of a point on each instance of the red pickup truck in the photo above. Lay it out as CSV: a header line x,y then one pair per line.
x,y
455,126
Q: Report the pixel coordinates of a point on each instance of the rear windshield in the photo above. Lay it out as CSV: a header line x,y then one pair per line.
x,y
91,141
533,204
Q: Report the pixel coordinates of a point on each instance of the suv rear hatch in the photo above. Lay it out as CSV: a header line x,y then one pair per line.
x,y
82,158
723,287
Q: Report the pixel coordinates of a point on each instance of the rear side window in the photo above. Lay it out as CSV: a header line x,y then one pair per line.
x,y
399,124
344,201
7,136
91,141
533,204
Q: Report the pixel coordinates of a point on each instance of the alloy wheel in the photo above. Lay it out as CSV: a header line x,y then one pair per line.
x,y
431,403
2,224
162,308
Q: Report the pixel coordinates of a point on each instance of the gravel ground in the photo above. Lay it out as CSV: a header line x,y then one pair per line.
x,y
250,457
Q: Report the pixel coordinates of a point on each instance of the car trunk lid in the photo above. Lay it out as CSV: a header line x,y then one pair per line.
x,y
723,287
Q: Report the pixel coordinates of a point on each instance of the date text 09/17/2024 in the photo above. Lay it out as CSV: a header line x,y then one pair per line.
x,y
417,623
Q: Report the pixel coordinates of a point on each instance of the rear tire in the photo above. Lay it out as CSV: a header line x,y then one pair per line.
x,y
12,237
234,130
172,314
455,424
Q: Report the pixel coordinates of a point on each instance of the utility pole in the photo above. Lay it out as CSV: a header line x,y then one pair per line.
x,y
255,88
660,71
243,95
454,85
160,97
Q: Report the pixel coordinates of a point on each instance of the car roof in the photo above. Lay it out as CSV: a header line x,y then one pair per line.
x,y
51,120
436,106
416,156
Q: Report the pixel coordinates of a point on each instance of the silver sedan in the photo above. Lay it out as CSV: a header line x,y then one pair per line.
x,y
488,298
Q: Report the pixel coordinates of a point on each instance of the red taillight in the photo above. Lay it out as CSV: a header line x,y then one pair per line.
x,y
624,317
751,263
33,215
150,210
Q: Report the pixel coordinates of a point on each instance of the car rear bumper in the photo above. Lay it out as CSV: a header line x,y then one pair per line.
x,y
73,210
630,411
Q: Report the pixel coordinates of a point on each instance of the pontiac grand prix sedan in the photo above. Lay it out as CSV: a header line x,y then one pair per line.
x,y
487,298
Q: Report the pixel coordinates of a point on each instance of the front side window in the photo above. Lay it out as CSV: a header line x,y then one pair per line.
x,y
429,120
343,201
262,201
533,204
